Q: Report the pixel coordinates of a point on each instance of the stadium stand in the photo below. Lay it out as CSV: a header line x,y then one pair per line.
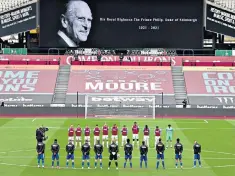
x,y
228,4
28,84
6,5
138,80
210,85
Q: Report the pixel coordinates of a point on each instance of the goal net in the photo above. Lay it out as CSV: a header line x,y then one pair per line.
x,y
120,106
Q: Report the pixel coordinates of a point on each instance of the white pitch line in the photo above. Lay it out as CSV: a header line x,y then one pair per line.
x,y
33,119
170,168
206,121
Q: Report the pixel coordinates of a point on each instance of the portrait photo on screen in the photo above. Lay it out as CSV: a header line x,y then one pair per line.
x,y
121,23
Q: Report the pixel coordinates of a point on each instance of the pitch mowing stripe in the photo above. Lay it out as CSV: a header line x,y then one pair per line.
x,y
148,169
123,158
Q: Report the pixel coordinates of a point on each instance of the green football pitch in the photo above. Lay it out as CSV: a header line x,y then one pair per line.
x,y
217,137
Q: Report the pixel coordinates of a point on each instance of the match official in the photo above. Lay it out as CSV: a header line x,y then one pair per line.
x,y
160,148
143,154
98,149
70,153
39,134
40,152
113,150
178,153
197,154
55,148
128,148
86,154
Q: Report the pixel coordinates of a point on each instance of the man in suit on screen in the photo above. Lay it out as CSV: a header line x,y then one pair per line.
x,y
75,24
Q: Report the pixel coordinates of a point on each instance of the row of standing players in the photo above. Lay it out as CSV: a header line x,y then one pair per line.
x,y
114,134
113,150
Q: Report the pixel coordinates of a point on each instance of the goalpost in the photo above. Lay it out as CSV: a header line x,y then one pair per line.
x,y
121,106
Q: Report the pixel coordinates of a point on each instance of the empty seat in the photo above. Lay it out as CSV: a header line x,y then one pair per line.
x,y
4,62
189,64
223,64
18,62
148,63
205,64
166,64
130,63
111,63
40,62
92,63
54,63
77,63
7,5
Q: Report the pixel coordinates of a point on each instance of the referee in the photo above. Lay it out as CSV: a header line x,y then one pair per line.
x,y
113,150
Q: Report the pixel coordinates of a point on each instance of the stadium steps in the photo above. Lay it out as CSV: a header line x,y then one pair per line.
x,y
61,86
178,84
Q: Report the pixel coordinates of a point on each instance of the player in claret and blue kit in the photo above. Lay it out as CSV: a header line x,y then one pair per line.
x,y
178,153
143,154
160,148
98,149
86,154
70,153
197,154
40,151
55,148
128,148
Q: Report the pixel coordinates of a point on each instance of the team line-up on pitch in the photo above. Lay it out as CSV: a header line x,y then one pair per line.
x,y
113,148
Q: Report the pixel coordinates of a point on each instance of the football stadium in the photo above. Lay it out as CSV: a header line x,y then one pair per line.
x,y
130,87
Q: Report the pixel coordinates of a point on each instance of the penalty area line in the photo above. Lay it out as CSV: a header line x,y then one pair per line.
x,y
206,121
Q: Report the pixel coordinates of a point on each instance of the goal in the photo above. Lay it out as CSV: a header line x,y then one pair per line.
x,y
120,106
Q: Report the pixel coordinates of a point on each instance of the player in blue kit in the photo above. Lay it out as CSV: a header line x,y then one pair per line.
x,y
160,148
98,149
70,153
143,154
197,154
178,153
86,154
40,151
55,148
128,148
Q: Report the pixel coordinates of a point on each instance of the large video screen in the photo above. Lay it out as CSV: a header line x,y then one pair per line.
x,y
121,23
220,21
18,20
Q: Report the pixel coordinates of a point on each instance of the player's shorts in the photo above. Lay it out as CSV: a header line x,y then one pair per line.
x,y
143,158
124,138
146,138
105,137
87,138
55,157
78,138
41,156
135,136
114,137
168,137
98,156
157,138
85,157
71,138
128,157
96,138
113,157
197,156
70,156
160,156
178,156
